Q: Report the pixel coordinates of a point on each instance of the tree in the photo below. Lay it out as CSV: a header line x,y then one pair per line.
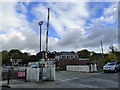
x,y
84,53
51,55
113,53
33,58
113,49
118,55
112,57
95,56
40,55
15,54
25,57
5,58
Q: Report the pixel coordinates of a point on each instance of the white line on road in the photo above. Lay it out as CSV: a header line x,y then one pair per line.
x,y
79,84
88,86
70,79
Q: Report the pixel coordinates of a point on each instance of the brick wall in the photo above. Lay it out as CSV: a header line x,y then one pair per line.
x,y
64,62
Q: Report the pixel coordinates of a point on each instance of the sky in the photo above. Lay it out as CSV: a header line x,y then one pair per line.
x,y
74,26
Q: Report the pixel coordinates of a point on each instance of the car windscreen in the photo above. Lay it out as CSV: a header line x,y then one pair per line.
x,y
34,64
111,63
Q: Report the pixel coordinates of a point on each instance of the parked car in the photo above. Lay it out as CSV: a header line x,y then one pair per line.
x,y
34,65
111,66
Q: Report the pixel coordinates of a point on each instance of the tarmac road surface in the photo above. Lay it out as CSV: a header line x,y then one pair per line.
x,y
65,79
89,80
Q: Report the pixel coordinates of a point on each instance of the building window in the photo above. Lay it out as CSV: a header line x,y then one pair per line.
x,y
60,57
63,57
67,57
75,57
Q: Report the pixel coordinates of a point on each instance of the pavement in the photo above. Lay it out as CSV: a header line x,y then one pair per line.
x,y
65,79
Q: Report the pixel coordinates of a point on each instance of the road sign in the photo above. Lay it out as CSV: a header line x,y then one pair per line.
x,y
41,62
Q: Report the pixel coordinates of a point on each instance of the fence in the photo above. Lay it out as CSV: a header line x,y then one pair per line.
x,y
82,68
10,74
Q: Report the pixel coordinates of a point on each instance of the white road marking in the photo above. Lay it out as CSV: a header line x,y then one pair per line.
x,y
94,79
80,84
70,79
88,86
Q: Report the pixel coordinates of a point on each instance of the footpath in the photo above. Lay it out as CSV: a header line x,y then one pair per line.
x,y
23,84
45,84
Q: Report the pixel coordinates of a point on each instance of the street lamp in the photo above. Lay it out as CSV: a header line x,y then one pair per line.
x,y
40,24
41,71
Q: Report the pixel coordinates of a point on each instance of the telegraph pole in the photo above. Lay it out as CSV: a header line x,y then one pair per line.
x,y
102,49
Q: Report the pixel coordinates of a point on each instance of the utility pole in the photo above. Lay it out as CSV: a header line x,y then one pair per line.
x,y
102,49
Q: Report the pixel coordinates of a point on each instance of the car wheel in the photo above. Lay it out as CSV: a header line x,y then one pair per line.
x,y
104,71
115,70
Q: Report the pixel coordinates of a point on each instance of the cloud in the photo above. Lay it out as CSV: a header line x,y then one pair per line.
x,y
103,28
63,15
15,26
21,7
68,20
10,18
99,30
109,15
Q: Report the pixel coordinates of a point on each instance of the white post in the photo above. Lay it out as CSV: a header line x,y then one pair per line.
x,y
95,67
52,72
91,68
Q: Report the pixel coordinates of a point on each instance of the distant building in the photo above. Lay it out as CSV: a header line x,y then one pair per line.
x,y
67,55
70,58
16,61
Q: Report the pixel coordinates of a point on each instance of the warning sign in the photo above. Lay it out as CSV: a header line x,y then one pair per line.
x,y
21,74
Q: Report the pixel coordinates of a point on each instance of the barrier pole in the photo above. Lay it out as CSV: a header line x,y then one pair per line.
x,y
41,73
8,76
25,75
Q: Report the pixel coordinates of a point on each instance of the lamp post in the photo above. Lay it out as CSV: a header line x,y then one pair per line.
x,y
40,66
40,24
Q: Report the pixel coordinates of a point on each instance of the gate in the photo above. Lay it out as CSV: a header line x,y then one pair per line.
x,y
12,73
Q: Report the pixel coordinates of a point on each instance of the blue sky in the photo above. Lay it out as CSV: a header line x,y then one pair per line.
x,y
73,25
96,9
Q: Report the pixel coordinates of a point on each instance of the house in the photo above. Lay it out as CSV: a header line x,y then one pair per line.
x,y
16,61
70,58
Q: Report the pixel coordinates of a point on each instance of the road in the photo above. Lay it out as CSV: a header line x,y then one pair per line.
x,y
65,79
88,80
